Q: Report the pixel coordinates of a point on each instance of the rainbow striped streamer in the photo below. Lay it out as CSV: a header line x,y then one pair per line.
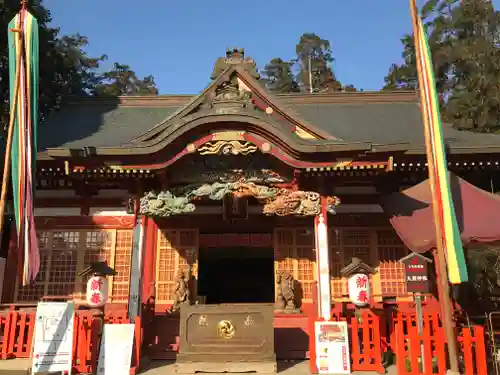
x,y
23,47
457,269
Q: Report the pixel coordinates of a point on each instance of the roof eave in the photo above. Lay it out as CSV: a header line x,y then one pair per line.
x,y
469,150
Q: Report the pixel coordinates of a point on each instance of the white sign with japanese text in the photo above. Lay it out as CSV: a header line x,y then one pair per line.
x,y
53,342
115,354
359,289
332,348
417,278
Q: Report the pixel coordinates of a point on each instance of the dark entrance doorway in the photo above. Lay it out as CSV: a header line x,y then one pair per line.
x,y
236,275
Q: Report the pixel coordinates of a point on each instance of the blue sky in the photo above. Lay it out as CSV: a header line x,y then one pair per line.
x,y
179,41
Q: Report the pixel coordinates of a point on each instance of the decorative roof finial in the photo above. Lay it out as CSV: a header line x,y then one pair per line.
x,y
24,4
235,56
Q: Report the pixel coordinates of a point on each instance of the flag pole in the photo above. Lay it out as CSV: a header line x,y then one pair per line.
x,y
8,148
443,286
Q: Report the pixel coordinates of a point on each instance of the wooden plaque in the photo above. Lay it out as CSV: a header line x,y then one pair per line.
x,y
416,273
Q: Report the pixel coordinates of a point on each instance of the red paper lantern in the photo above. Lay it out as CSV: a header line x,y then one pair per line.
x,y
359,289
97,291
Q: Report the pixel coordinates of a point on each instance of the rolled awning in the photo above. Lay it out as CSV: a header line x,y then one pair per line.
x,y
410,213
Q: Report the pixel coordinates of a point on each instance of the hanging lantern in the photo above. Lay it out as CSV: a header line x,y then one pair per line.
x,y
97,291
359,289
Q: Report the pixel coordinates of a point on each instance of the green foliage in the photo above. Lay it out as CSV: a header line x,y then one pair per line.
x,y
464,38
278,76
65,67
121,80
313,63
315,59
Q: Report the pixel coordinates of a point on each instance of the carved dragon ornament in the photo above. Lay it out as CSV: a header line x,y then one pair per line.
x,y
277,201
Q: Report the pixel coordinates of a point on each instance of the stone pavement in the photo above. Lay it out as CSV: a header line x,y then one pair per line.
x,y
284,368
21,367
15,366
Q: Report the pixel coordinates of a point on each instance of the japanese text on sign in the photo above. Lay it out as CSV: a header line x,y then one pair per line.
x,y
416,273
97,291
359,289
53,339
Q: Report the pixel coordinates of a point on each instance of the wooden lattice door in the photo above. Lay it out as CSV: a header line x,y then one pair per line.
x,y
392,274
176,248
65,253
294,252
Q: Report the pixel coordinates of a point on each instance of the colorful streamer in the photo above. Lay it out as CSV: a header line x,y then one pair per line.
x,y
23,48
452,243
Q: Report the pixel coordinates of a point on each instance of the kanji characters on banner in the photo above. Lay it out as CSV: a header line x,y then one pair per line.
x,y
359,289
97,291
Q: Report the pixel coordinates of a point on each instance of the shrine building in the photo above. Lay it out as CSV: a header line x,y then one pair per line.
x,y
230,187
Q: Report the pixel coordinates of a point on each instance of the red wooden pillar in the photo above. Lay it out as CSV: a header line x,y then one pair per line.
x,y
148,293
149,260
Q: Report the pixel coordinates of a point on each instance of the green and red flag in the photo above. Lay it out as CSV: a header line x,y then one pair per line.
x,y
436,155
23,65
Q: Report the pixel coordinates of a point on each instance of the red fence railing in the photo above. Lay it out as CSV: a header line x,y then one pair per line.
x,y
425,353
369,340
17,331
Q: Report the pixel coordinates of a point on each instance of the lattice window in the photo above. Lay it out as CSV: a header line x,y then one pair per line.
x,y
390,250
173,252
122,265
356,244
294,252
338,284
97,247
36,290
64,254
63,259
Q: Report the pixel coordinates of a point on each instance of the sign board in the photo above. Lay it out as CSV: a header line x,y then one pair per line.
x,y
53,342
416,273
332,348
115,354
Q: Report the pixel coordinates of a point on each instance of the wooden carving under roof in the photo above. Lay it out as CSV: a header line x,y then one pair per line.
x,y
276,201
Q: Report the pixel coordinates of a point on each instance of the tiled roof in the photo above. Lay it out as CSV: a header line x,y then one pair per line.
x,y
379,118
385,123
98,126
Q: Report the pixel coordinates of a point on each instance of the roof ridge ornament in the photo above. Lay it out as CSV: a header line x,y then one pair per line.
x,y
235,56
230,94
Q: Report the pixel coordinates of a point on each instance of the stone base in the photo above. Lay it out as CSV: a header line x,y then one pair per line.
x,y
269,367
287,311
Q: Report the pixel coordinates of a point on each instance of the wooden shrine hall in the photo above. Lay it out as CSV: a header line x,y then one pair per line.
x,y
232,196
